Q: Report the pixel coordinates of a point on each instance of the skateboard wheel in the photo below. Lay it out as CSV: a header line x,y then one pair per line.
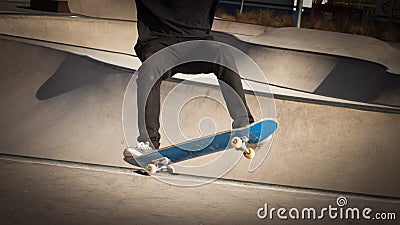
x,y
236,142
250,154
151,169
170,169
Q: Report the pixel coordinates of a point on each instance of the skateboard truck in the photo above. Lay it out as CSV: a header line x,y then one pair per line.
x,y
160,164
163,164
241,145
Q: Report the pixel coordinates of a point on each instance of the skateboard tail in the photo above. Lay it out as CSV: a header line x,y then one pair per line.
x,y
261,131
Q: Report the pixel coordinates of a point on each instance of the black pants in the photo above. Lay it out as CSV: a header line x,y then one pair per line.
x,y
230,83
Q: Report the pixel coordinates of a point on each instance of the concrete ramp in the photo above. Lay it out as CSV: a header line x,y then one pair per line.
x,y
350,45
59,105
112,9
47,192
61,133
374,79
323,74
63,106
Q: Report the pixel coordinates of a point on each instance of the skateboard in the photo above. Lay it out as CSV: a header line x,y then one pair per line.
x,y
240,139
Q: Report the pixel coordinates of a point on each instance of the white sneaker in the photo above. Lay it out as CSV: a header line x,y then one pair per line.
x,y
142,148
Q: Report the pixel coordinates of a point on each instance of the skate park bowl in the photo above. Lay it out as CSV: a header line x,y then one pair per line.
x,y
68,107
64,78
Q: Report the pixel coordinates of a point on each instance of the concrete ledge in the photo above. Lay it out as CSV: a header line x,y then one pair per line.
x,y
112,35
111,9
356,46
304,71
52,194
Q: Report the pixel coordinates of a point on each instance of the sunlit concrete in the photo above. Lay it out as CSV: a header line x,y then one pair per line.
x,y
59,104
69,107
44,193
301,70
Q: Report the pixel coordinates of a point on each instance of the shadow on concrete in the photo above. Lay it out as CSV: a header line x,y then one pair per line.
x,y
359,80
350,79
75,72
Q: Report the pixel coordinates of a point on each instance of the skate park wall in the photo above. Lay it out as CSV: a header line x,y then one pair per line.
x,y
111,9
355,46
316,145
63,106
306,71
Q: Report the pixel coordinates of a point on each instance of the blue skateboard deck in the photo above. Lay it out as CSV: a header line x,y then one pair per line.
x,y
255,133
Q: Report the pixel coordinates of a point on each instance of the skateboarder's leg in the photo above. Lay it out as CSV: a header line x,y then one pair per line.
x,y
231,85
148,94
232,90
148,110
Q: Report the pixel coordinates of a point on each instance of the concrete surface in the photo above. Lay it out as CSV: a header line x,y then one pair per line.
x,y
74,105
111,35
67,109
356,46
310,72
394,44
131,62
323,74
63,193
360,47
112,9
